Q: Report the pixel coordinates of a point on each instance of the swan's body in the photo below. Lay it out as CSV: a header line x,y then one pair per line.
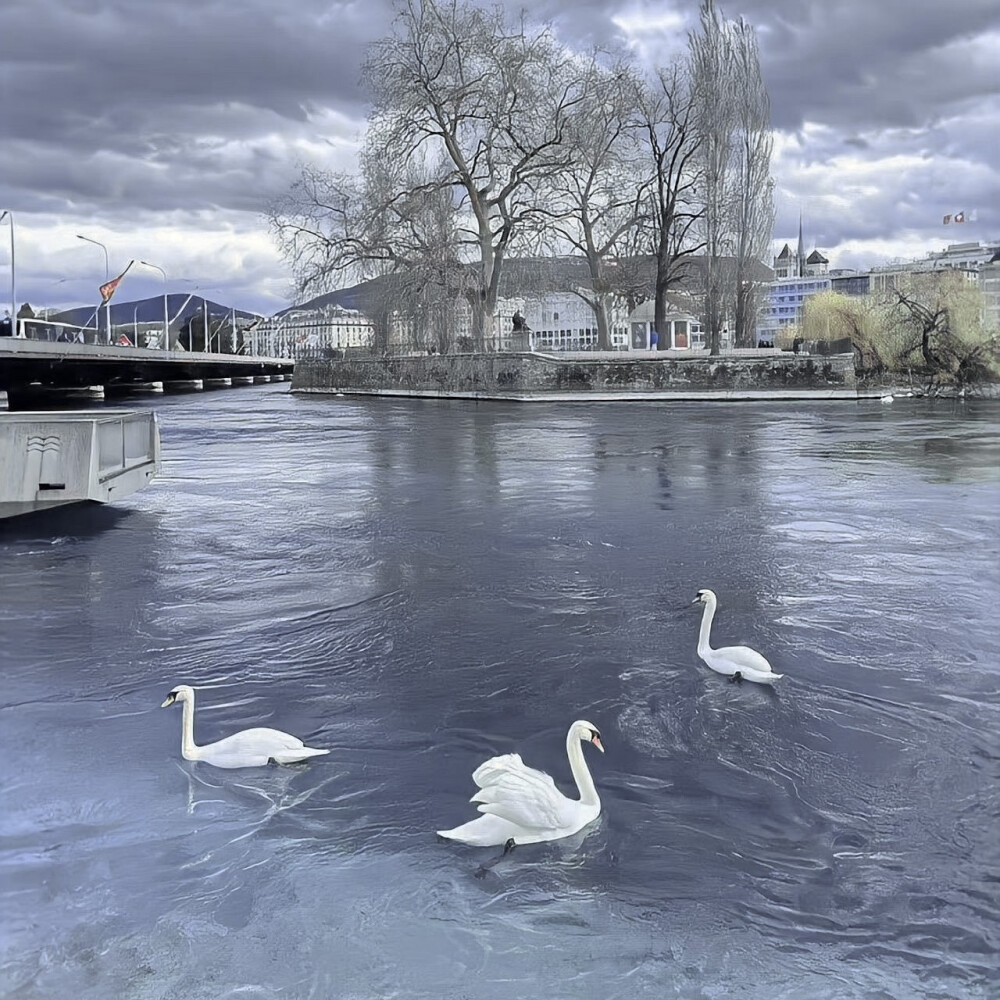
x,y
249,748
741,663
523,805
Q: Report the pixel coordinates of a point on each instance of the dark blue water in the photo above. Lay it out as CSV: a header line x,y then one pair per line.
x,y
421,585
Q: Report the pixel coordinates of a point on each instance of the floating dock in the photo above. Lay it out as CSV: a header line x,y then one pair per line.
x,y
53,458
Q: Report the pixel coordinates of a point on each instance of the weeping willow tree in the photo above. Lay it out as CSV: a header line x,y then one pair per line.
x,y
925,325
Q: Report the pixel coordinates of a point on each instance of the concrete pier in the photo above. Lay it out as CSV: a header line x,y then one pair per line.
x,y
749,375
54,458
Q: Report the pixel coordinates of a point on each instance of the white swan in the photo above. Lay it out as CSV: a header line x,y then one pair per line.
x,y
739,663
523,806
249,748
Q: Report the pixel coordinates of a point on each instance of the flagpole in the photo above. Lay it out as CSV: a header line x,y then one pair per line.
x,y
13,297
107,276
166,321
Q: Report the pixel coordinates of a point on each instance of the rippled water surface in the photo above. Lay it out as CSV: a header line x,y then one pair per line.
x,y
421,585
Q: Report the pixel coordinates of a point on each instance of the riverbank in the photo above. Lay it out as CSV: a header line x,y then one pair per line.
x,y
527,377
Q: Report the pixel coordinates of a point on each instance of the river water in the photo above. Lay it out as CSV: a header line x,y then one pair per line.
x,y
419,585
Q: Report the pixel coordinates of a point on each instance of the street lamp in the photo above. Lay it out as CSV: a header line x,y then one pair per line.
x,y
107,276
166,318
13,297
204,307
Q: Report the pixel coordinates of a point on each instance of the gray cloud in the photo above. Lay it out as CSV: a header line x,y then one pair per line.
x,y
171,126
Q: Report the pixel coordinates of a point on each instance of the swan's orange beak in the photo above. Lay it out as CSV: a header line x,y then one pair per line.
x,y
596,740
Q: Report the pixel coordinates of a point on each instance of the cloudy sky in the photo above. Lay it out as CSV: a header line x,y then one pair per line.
x,y
163,129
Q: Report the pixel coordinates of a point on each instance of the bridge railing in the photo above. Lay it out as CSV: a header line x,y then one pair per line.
x,y
148,335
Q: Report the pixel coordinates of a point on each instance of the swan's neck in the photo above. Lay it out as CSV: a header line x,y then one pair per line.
x,y
189,750
706,626
581,773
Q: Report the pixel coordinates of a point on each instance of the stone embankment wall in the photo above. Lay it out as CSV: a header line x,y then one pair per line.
x,y
534,376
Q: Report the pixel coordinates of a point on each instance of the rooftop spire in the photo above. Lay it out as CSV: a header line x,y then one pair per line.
x,y
801,258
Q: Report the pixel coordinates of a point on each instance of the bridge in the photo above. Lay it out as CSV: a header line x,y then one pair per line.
x,y
30,366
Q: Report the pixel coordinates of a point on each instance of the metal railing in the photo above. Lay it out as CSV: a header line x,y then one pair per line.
x,y
143,335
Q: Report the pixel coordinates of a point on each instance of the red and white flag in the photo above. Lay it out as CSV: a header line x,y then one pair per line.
x,y
110,287
959,217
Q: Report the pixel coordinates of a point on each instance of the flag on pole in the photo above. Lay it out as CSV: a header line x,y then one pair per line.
x,y
959,217
110,287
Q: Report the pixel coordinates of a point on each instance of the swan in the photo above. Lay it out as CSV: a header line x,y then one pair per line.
x,y
249,748
523,806
739,663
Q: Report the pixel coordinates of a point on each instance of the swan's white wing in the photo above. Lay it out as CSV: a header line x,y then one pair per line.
x,y
743,657
261,739
521,795
255,747
495,768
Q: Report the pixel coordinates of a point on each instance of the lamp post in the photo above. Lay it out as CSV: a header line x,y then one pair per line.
x,y
166,318
206,317
107,277
13,297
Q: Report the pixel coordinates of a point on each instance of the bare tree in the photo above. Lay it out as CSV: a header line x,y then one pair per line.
x,y
714,92
666,112
733,120
455,84
599,198
394,221
752,201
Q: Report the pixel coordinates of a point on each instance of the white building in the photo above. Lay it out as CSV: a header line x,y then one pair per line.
x,y
682,329
563,321
297,330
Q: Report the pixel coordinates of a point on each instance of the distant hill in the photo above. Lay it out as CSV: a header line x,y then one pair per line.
x,y
537,275
181,306
358,297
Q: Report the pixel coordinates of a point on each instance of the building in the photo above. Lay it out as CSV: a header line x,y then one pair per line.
x,y
785,304
989,282
544,304
850,283
796,278
683,329
962,255
297,330
563,321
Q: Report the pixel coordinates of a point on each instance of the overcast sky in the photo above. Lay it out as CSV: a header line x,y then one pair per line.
x,y
163,129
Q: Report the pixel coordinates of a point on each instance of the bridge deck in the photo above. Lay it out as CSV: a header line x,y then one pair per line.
x,y
23,362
